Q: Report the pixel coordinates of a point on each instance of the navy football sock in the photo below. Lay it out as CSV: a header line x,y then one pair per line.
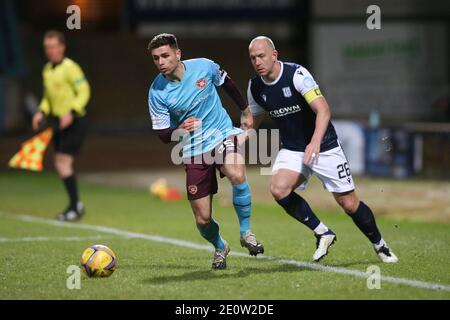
x,y
211,233
71,187
299,209
365,221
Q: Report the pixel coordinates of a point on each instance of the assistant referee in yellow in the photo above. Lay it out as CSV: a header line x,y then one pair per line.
x,y
66,94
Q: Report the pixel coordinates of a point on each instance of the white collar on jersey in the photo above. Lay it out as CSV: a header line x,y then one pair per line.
x,y
277,79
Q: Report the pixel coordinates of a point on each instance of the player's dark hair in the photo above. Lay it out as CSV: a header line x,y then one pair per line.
x,y
56,34
162,40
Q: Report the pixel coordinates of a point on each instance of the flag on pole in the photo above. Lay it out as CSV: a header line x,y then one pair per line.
x,y
31,155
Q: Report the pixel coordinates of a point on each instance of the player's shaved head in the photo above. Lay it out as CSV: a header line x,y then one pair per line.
x,y
266,40
264,57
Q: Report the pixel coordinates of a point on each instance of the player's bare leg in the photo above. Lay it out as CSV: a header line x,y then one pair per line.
x,y
209,229
234,169
282,187
364,219
64,166
284,181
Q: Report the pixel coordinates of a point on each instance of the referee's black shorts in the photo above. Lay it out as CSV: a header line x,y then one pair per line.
x,y
70,140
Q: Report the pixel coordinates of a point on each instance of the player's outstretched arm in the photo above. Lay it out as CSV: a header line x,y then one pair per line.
x,y
232,90
246,116
323,115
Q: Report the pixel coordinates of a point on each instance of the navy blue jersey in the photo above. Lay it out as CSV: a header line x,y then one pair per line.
x,y
284,100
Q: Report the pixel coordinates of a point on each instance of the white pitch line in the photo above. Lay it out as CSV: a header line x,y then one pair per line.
x,y
40,238
192,245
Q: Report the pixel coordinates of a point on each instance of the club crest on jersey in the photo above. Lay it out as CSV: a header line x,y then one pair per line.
x,y
264,97
201,83
287,92
192,189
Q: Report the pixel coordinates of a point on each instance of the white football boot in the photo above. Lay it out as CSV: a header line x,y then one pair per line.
x,y
220,257
248,240
71,214
323,243
386,255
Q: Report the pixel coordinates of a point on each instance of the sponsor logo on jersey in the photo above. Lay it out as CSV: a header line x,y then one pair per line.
x,y
201,83
281,112
287,92
201,99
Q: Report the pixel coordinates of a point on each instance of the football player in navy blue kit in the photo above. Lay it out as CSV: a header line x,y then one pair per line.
x,y
309,145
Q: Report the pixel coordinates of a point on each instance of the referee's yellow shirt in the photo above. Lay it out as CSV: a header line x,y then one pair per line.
x,y
65,89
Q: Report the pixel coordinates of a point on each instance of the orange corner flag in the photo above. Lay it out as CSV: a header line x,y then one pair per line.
x,y
31,155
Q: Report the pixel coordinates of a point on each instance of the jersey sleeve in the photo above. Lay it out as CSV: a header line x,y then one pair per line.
x,y
81,86
44,106
217,73
306,85
255,108
159,113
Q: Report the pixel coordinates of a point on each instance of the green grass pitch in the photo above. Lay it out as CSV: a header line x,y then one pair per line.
x,y
35,254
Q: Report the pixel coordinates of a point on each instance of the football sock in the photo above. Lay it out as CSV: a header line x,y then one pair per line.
x,y
379,244
71,187
365,221
242,201
299,209
211,233
320,229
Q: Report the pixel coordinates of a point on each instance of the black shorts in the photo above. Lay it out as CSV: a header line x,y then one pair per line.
x,y
201,179
70,140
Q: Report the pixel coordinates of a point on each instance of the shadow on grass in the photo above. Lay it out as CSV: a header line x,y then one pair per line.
x,y
230,273
347,264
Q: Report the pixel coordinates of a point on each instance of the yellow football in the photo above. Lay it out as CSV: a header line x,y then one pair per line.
x,y
98,261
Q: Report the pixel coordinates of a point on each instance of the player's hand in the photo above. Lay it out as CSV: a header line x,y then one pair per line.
x,y
191,124
312,152
37,120
246,119
66,120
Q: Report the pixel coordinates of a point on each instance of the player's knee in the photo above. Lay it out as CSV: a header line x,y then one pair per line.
x,y
63,167
237,177
202,222
60,167
348,204
279,191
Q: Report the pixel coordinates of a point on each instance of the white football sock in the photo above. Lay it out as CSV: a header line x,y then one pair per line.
x,y
379,244
320,229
